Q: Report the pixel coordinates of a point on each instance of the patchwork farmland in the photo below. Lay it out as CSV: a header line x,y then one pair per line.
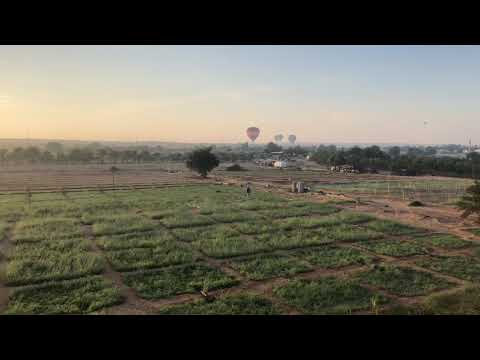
x,y
207,249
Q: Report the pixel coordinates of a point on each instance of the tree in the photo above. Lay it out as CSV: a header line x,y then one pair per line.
x,y
470,202
338,158
474,159
430,150
394,152
272,147
3,155
114,170
83,155
202,161
54,147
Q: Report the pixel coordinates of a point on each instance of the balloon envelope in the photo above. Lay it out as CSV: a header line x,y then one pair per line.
x,y
292,138
253,132
278,137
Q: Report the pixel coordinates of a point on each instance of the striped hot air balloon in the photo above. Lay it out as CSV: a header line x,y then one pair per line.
x,y
252,133
278,138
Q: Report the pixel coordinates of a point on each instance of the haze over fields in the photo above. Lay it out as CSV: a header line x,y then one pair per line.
x,y
330,94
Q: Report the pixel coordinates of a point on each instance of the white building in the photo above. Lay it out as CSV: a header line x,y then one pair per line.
x,y
280,164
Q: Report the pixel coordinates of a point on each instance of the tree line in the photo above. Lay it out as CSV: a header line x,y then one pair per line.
x,y
56,153
416,161
411,161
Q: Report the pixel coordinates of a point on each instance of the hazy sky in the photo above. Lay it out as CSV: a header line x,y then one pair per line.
x,y
213,93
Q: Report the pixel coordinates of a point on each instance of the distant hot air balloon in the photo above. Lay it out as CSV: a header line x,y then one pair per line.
x,y
278,138
252,133
292,139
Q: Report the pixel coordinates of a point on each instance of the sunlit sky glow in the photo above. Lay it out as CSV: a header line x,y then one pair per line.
x,y
380,94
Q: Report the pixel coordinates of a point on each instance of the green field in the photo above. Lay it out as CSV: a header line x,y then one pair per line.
x,y
167,243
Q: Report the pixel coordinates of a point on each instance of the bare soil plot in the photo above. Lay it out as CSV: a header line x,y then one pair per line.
x,y
78,177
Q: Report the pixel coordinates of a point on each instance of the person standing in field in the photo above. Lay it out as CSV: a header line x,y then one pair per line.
x,y
248,189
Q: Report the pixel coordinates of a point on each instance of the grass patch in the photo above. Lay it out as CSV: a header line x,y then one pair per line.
x,y
187,219
207,232
228,246
327,296
462,267
332,257
270,266
463,302
400,309
391,227
81,296
402,281
342,218
255,227
39,250
9,214
310,209
445,241
146,258
258,205
231,217
124,224
295,239
196,233
3,230
134,240
178,280
393,247
348,233
159,215
41,265
221,247
244,304
46,230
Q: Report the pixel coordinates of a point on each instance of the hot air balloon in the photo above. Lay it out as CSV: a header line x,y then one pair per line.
x,y
252,133
292,139
278,138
